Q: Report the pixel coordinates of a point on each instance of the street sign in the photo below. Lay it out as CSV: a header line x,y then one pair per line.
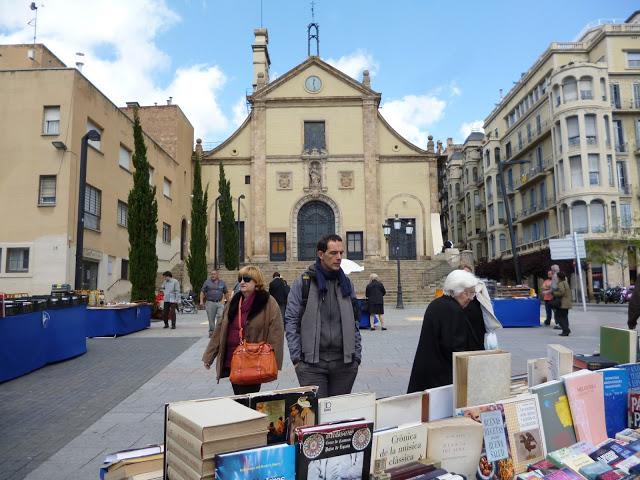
x,y
564,248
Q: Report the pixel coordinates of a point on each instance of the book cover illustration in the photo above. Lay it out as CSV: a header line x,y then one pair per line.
x,y
496,462
634,408
285,412
334,451
555,414
273,461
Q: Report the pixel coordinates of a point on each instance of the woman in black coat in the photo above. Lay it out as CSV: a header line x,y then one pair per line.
x,y
375,293
446,328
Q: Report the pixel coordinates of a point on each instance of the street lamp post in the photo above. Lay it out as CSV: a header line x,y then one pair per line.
x,y
241,197
215,235
397,225
93,135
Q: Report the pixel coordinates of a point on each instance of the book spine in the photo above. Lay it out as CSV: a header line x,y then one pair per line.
x,y
186,441
201,467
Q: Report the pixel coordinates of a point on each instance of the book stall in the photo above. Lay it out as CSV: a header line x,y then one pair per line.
x,y
117,320
37,330
567,418
515,306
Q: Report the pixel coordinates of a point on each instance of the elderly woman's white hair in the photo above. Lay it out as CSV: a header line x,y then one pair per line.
x,y
458,281
373,276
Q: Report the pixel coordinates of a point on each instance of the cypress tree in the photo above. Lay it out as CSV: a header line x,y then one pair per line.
x,y
228,228
197,260
142,219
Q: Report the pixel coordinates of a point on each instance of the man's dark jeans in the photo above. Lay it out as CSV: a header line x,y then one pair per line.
x,y
332,378
549,311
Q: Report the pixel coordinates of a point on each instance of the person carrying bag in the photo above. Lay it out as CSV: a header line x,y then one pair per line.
x,y
250,336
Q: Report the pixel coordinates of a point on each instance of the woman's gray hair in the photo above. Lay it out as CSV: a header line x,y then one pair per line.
x,y
373,276
458,281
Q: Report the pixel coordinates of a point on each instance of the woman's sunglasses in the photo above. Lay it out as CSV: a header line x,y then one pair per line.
x,y
244,278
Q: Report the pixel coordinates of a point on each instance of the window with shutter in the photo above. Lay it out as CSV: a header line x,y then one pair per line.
x,y
51,124
47,192
92,208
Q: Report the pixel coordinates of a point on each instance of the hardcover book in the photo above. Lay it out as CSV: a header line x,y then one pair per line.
x,y
185,469
591,472
576,462
286,410
537,371
555,413
585,391
526,434
560,360
563,474
592,362
628,435
438,403
177,454
480,377
633,369
616,388
629,464
633,408
347,407
619,344
611,453
496,462
265,463
334,451
456,443
216,419
398,410
398,446
558,457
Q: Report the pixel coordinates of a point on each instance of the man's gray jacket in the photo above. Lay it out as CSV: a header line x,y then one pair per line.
x,y
303,330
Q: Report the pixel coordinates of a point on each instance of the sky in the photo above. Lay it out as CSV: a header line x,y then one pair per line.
x,y
439,65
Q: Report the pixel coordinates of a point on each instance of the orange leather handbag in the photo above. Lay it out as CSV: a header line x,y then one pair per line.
x,y
252,363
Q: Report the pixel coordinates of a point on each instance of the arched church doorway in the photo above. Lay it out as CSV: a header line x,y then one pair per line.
x,y
315,219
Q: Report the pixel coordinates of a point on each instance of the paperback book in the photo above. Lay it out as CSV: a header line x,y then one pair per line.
x,y
585,391
616,388
265,463
398,410
480,377
555,413
398,446
456,443
347,407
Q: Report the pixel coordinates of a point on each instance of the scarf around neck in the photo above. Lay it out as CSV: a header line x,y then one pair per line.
x,y
322,276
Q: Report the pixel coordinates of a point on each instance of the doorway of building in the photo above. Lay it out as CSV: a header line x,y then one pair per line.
x,y
89,275
315,219
406,242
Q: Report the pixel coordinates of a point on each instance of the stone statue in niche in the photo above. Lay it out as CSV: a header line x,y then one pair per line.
x,y
284,181
346,179
315,175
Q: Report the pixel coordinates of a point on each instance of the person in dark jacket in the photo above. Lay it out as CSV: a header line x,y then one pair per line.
x,y
279,290
634,307
445,329
375,293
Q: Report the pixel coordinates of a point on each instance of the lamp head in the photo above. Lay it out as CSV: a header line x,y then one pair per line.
x,y
59,145
93,135
386,228
241,197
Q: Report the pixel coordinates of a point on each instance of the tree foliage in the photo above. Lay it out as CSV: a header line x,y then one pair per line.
x,y
142,218
228,228
197,260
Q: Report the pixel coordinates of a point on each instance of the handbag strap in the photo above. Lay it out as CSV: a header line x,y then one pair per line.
x,y
240,320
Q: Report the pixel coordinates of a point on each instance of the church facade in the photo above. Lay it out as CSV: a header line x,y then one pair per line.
x,y
315,156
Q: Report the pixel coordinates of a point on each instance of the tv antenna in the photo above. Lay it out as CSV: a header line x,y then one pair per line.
x,y
34,21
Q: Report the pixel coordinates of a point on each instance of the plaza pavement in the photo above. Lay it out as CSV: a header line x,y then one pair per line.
x,y
75,428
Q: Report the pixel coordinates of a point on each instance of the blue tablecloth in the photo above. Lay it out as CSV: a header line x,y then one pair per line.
x,y
31,340
110,322
517,312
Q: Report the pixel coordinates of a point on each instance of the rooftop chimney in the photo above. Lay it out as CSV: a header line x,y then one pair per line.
x,y
261,59
366,79
169,100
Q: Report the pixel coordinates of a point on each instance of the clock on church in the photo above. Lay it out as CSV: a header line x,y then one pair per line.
x,y
313,84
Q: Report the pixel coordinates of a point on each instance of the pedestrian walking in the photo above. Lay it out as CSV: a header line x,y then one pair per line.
x,y
320,323
446,328
563,292
213,296
259,314
633,311
547,297
171,289
554,285
375,293
279,290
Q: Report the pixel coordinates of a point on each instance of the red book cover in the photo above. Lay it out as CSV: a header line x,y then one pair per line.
x,y
634,408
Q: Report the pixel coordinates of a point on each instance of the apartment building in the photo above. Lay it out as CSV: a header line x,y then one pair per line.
x,y
46,109
567,136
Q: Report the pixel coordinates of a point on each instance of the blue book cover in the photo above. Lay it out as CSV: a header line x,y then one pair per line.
x,y
616,388
273,461
633,369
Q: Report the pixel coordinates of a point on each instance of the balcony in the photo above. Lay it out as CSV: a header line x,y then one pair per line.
x,y
622,148
532,211
586,95
625,190
534,173
633,104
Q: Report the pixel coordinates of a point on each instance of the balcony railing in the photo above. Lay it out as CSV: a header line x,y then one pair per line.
x,y
586,95
622,147
573,141
592,140
626,104
625,189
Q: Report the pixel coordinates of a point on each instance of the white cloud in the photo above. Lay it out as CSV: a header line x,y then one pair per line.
x,y
355,63
412,114
240,112
118,38
454,89
467,127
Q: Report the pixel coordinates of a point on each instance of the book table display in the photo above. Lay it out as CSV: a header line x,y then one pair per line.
x,y
517,311
31,340
114,320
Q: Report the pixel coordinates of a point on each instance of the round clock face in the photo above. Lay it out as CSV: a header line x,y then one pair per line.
x,y
313,84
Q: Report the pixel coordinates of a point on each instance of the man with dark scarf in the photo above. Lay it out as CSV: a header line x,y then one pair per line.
x,y
323,338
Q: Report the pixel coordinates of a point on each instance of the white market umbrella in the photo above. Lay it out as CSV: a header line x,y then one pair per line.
x,y
349,266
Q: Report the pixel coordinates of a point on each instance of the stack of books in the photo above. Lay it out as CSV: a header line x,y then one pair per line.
x,y
136,464
198,430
